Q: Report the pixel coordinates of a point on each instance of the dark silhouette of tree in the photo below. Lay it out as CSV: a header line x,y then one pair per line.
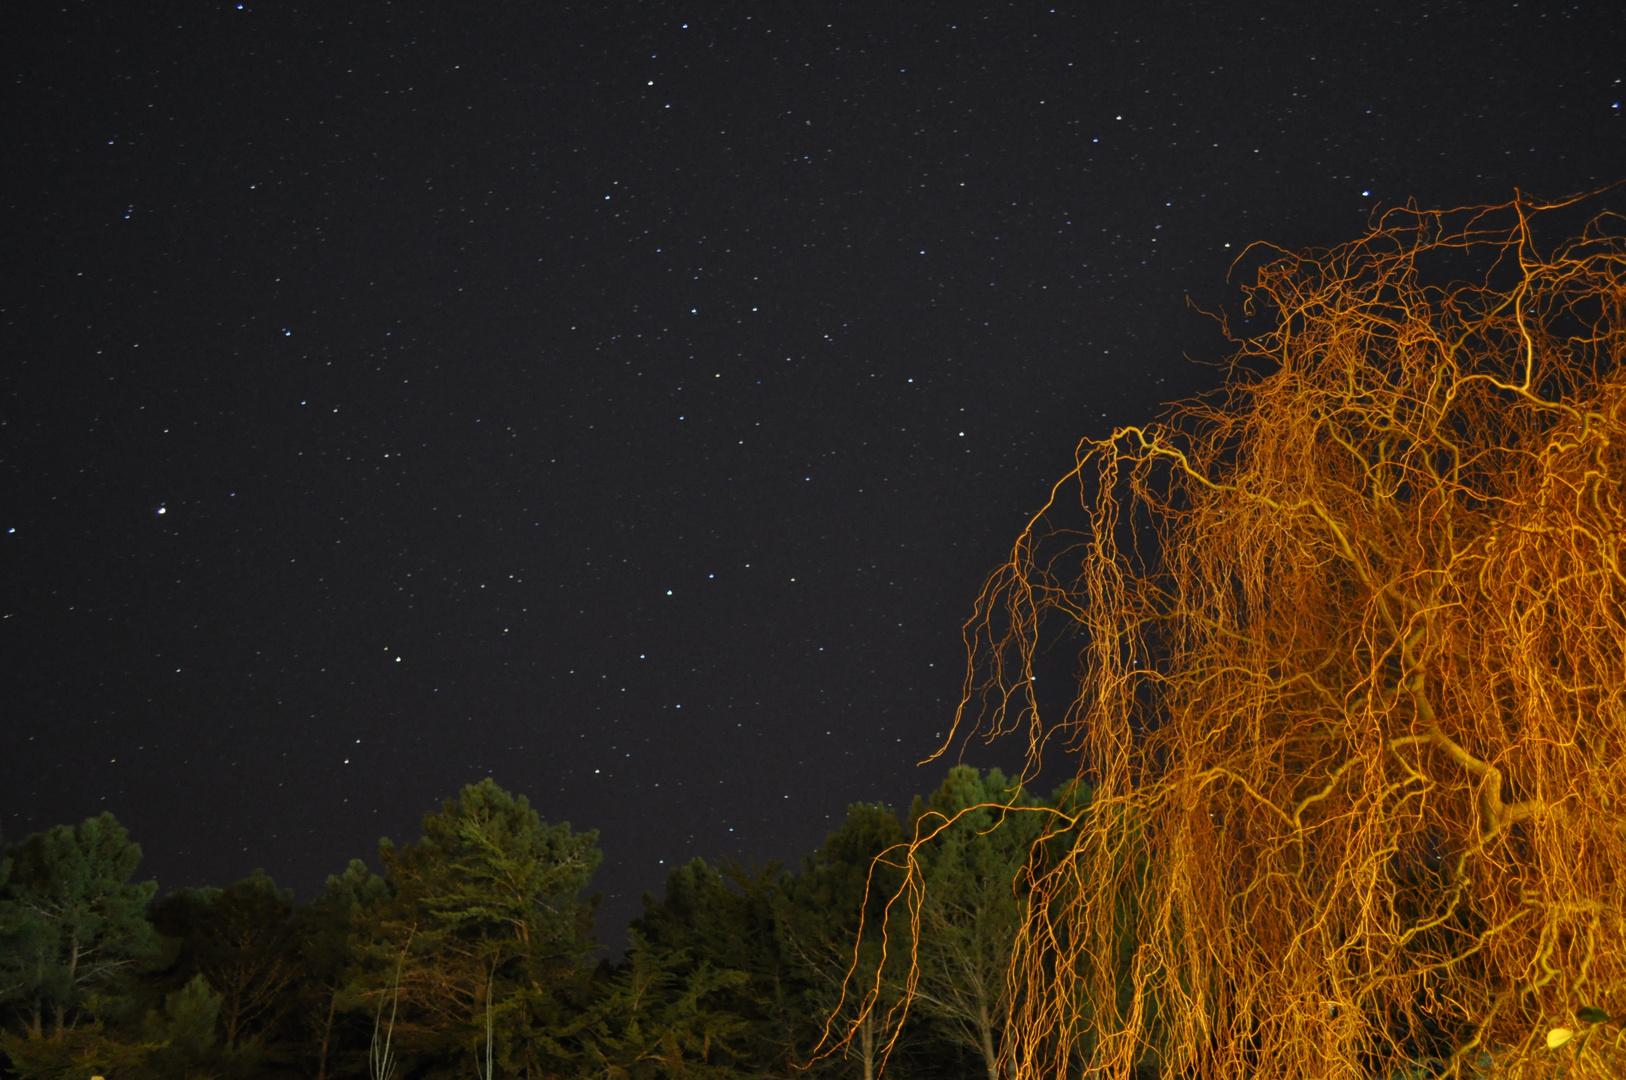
x,y
665,1015
728,916
242,941
837,920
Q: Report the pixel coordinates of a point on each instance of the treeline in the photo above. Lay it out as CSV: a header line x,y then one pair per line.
x,y
473,956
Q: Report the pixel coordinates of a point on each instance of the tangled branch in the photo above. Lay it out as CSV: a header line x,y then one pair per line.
x,y
1351,681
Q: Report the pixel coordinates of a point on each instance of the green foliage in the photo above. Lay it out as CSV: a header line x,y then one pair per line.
x,y
188,1022
972,904
663,1016
177,1043
729,916
851,946
241,941
480,927
72,1053
71,922
333,1034
485,908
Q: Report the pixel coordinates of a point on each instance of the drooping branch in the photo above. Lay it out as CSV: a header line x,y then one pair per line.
x,y
1327,620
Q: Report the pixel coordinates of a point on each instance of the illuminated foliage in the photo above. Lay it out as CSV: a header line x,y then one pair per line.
x,y
484,942
661,1020
1351,647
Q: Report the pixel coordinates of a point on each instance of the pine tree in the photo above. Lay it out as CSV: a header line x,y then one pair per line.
x,y
326,930
837,920
972,904
71,922
488,935
664,1017
241,941
727,916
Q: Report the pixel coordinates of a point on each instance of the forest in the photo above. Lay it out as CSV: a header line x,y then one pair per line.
x,y
473,954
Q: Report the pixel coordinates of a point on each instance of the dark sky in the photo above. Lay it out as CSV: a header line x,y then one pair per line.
x,y
626,401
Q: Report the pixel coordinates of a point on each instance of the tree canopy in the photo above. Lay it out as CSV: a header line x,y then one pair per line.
x,y
71,921
484,941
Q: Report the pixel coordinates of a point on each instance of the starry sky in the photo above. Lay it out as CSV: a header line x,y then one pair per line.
x,y
627,400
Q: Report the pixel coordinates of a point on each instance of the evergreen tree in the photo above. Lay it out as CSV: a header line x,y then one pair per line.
x,y
483,947
73,938
665,1017
71,923
241,941
727,917
326,930
972,905
852,946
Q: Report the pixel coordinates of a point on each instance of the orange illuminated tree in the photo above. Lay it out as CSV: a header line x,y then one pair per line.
x,y
1351,683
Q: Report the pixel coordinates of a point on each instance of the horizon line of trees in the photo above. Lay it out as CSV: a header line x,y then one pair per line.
x,y
473,955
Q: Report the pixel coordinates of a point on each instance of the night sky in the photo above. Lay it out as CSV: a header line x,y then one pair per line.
x,y
626,401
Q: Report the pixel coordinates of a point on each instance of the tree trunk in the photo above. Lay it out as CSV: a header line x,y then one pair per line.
x,y
73,970
866,1044
233,1010
327,1034
985,1028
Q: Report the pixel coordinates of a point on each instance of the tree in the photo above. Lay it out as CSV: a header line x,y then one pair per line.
x,y
71,922
241,941
326,930
178,1042
485,938
727,917
973,841
664,1018
838,920
1351,677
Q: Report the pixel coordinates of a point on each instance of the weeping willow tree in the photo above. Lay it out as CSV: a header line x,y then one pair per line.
x,y
1351,683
